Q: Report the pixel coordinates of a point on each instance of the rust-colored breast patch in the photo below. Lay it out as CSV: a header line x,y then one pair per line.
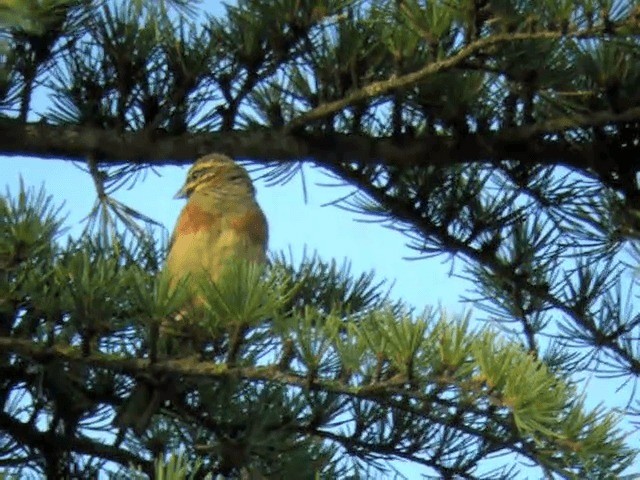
x,y
253,224
193,219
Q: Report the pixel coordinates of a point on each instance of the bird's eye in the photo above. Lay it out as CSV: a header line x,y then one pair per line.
x,y
195,175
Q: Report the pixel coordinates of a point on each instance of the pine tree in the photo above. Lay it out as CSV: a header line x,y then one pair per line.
x,y
503,134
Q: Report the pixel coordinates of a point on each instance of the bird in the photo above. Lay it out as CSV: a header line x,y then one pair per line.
x,y
221,222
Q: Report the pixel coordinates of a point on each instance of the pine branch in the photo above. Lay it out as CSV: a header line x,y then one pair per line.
x,y
28,435
382,87
523,144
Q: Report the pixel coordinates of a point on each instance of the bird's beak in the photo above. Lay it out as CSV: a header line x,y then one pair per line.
x,y
182,193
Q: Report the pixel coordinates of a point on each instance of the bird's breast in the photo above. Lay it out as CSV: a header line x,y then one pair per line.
x,y
204,241
194,219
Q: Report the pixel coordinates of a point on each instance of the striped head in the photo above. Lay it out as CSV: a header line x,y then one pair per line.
x,y
217,175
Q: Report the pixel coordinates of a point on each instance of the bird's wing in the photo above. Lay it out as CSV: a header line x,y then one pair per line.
x,y
252,225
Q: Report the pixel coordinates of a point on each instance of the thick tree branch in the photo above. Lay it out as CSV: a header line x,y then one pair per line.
x,y
524,144
194,368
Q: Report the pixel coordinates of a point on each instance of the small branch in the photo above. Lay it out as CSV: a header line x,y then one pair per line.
x,y
382,87
28,435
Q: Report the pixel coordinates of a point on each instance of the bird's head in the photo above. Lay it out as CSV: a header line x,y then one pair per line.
x,y
218,175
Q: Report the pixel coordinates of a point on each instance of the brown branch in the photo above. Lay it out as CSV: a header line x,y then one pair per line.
x,y
191,367
523,144
573,122
74,142
26,434
195,368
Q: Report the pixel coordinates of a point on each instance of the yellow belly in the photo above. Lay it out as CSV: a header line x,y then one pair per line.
x,y
207,251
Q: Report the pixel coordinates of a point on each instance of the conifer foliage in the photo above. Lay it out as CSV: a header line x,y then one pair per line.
x,y
502,134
